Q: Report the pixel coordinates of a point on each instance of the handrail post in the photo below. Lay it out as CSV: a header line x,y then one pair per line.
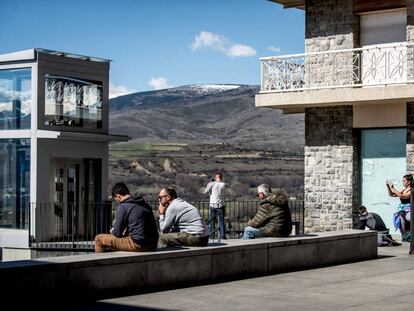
x,y
411,222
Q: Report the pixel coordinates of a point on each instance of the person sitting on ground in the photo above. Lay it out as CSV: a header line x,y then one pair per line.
x,y
135,227
180,222
402,217
374,222
273,217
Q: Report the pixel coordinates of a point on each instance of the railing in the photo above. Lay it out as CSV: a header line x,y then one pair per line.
x,y
69,227
369,66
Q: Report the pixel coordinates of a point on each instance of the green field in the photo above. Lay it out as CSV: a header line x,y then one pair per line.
x,y
122,150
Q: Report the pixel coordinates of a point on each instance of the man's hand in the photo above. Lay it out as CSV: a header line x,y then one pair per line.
x,y
161,209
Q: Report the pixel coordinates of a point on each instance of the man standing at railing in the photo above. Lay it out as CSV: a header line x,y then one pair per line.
x,y
135,228
216,190
273,217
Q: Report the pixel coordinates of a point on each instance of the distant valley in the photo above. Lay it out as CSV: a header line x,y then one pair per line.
x,y
181,136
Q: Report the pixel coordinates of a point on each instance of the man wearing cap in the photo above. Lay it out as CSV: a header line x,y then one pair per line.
x,y
273,217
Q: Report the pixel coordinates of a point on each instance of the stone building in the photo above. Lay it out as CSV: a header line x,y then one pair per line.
x,y
354,83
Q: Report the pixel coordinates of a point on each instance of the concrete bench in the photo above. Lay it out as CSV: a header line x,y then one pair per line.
x,y
119,273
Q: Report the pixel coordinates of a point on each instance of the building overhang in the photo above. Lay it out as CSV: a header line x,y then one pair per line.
x,y
81,136
31,55
287,4
26,55
296,102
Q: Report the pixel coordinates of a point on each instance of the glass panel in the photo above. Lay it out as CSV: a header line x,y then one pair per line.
x,y
14,183
15,98
72,102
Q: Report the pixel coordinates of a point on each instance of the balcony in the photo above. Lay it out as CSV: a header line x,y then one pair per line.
x,y
375,74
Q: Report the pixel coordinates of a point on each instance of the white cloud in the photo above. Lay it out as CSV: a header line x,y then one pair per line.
x,y
219,43
274,49
118,90
158,83
209,40
240,50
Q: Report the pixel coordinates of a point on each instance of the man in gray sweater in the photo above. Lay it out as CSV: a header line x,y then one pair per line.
x,y
180,222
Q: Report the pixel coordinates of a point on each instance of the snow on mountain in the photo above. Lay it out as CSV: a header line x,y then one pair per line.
x,y
213,88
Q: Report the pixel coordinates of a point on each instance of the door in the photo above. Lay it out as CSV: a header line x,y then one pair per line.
x,y
65,197
73,195
383,156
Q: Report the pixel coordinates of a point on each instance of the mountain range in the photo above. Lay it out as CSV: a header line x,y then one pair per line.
x,y
206,114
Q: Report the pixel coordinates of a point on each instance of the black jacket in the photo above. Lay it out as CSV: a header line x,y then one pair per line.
x,y
372,221
136,216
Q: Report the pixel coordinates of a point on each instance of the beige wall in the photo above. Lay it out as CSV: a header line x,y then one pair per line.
x,y
379,115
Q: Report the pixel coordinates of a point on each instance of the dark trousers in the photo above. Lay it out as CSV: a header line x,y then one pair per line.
x,y
182,238
212,221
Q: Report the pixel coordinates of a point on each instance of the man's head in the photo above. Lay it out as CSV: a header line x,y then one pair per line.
x,y
362,210
263,191
167,195
120,192
218,177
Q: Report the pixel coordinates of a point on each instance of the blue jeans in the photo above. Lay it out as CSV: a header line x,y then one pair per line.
x,y
212,221
251,233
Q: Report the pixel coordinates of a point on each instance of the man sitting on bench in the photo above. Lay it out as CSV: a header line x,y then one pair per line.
x,y
374,222
273,217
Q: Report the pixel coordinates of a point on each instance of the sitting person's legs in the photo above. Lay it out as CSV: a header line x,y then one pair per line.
x,y
108,242
182,239
251,233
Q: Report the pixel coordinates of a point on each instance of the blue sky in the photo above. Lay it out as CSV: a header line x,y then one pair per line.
x,y
158,43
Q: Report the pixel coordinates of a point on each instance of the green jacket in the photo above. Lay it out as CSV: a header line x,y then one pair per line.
x,y
273,217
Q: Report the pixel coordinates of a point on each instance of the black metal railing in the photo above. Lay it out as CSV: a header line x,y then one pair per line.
x,y
71,226
68,226
238,213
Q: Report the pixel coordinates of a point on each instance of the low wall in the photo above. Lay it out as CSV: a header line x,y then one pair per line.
x,y
119,273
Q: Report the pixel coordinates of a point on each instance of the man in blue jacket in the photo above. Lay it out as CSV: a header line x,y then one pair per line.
x,y
134,230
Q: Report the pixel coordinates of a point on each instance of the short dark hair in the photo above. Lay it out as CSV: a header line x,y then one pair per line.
x,y
219,174
171,192
362,209
120,188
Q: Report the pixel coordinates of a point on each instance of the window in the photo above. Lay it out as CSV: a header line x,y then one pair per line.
x,y
14,183
15,98
72,102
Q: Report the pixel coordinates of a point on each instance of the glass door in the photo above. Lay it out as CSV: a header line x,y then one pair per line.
x,y
383,156
65,197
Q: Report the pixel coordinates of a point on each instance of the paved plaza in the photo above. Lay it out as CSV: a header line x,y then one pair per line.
x,y
383,284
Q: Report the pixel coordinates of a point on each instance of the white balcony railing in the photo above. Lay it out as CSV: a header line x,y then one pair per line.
x,y
376,65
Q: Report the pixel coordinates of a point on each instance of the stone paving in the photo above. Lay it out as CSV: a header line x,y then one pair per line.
x,y
386,283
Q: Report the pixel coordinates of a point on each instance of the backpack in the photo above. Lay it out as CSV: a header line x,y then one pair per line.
x,y
407,237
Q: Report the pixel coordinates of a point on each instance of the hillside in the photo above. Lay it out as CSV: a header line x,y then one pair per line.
x,y
182,136
200,114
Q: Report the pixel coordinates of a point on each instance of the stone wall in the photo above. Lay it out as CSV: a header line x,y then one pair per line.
x,y
330,168
330,25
